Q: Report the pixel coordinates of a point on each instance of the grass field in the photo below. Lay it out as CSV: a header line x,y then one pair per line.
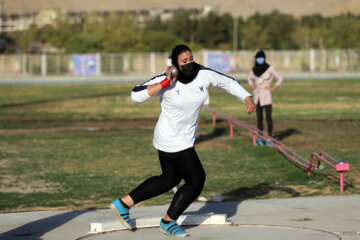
x,y
81,146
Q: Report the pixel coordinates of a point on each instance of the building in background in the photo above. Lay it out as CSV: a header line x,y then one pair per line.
x,y
20,14
19,17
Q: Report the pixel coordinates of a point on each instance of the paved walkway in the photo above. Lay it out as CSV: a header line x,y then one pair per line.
x,y
138,78
333,217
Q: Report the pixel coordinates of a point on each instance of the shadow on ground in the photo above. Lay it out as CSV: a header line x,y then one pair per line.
x,y
218,132
286,133
230,208
36,229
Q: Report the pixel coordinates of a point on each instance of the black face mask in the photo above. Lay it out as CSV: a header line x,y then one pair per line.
x,y
188,69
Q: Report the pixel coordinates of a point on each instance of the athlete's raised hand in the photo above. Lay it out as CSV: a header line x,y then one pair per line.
x,y
171,74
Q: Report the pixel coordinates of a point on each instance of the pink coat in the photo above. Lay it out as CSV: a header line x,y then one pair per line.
x,y
260,93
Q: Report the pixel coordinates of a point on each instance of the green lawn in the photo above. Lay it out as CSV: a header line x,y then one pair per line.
x,y
79,146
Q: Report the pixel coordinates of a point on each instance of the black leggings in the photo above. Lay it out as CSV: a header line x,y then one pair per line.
x,y
175,167
259,113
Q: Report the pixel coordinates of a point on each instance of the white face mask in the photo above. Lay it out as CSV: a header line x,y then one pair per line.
x,y
260,60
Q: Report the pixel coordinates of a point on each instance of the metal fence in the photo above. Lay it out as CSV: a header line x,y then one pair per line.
x,y
297,61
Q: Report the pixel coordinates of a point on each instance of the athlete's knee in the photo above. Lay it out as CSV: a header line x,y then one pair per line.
x,y
176,181
198,182
170,181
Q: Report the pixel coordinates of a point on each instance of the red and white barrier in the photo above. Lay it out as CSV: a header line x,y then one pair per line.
x,y
339,166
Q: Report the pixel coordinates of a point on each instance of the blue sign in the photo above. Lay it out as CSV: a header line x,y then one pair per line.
x,y
84,65
219,61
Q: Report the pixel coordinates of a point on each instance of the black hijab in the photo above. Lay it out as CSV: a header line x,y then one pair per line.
x,y
259,69
177,50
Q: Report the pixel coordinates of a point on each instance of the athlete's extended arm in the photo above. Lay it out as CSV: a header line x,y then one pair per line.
x,y
233,87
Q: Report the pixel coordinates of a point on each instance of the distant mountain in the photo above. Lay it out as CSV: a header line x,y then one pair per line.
x,y
244,8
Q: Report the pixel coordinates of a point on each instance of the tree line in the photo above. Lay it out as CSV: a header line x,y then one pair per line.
x,y
124,33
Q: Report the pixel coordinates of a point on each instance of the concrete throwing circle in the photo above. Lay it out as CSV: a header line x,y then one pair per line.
x,y
224,232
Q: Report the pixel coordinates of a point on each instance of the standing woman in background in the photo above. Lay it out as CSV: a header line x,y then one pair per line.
x,y
260,79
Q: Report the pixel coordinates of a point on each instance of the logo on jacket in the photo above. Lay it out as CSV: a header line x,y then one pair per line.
x,y
178,91
201,88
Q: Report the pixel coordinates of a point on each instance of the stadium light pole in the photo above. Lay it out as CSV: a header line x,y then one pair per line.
x,y
2,12
235,35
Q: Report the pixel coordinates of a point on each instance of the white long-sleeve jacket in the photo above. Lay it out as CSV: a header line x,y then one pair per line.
x,y
181,105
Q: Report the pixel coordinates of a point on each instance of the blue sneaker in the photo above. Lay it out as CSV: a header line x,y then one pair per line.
x,y
172,229
259,142
268,142
122,213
